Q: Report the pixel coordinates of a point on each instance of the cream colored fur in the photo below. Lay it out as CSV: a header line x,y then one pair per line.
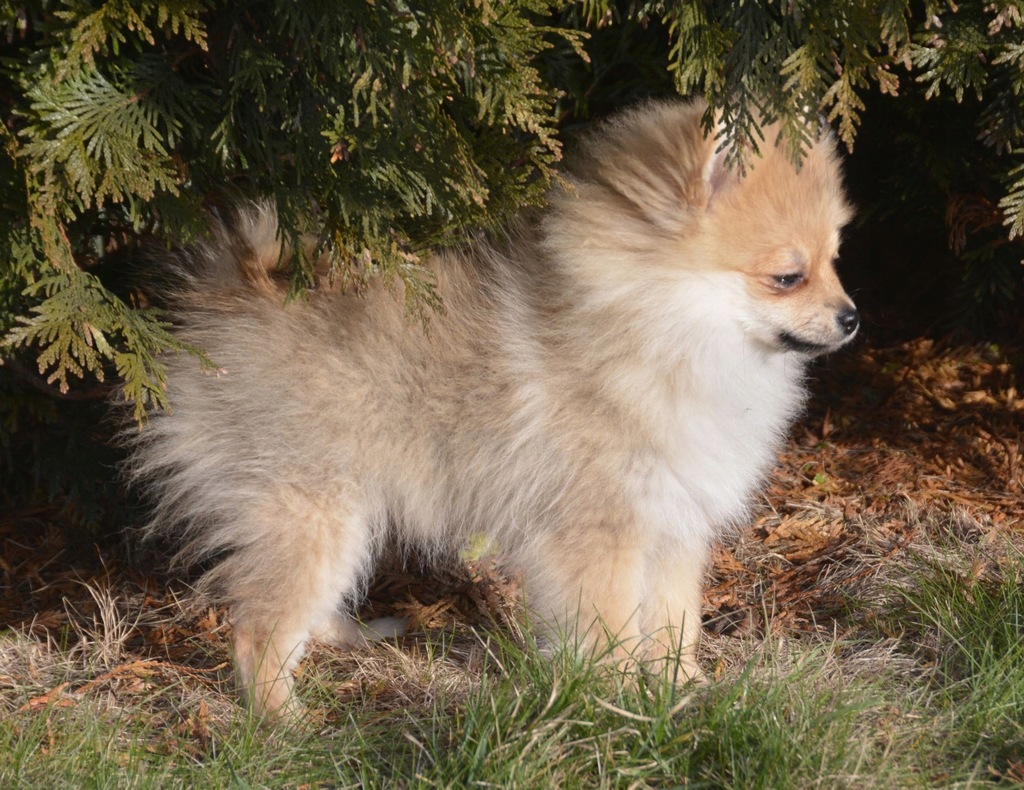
x,y
602,394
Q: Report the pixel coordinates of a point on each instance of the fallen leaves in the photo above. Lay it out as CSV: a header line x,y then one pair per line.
x,y
131,677
804,535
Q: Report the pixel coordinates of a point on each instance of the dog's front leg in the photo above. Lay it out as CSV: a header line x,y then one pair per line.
x,y
672,609
588,584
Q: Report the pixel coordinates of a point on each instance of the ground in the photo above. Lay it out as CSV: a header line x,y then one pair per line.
x,y
894,438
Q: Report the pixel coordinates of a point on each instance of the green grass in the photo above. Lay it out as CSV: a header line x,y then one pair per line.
x,y
969,624
539,722
930,695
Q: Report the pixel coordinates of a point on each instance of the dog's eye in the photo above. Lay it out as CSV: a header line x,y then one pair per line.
x,y
788,280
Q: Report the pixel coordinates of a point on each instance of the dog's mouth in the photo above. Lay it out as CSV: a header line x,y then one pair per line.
x,y
794,343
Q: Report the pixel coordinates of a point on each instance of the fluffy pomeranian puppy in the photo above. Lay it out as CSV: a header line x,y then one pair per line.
x,y
602,394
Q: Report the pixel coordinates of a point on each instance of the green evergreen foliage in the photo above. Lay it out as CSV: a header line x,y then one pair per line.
x,y
385,128
380,128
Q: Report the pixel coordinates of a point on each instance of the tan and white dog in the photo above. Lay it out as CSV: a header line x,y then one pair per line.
x,y
602,394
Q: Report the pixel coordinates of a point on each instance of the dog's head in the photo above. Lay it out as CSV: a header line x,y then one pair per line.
x,y
658,201
778,226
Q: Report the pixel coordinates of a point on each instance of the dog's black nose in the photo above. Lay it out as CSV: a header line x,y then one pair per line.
x,y
848,321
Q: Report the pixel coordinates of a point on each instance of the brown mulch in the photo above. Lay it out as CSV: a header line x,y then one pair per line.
x,y
890,434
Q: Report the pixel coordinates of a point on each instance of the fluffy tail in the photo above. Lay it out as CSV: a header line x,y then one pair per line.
x,y
246,250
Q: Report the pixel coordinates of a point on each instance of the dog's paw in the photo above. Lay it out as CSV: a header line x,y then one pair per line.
x,y
348,633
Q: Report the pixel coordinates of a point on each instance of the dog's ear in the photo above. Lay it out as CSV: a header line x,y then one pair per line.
x,y
717,173
720,170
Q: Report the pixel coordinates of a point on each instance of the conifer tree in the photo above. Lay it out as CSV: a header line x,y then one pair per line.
x,y
381,128
386,127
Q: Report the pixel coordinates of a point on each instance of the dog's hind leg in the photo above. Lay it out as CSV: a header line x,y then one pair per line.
x,y
285,584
